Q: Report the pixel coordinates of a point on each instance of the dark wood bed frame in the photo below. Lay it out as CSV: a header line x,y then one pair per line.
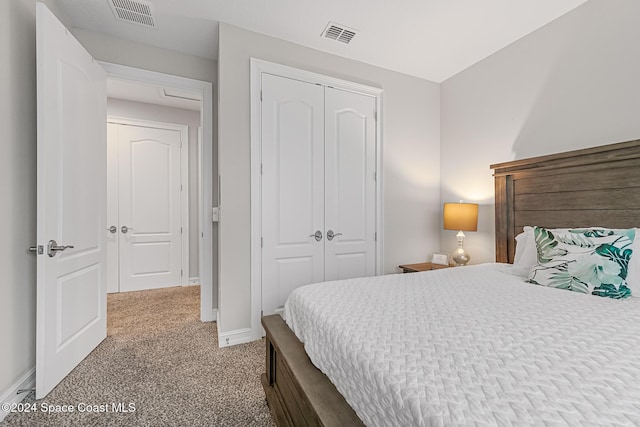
x,y
592,187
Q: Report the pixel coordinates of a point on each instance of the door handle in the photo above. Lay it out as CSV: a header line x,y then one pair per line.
x,y
53,248
124,229
317,235
331,235
113,229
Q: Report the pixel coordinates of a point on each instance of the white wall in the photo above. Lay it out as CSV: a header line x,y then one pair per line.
x,y
572,84
411,158
159,113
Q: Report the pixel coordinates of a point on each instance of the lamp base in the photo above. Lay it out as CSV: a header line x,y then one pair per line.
x,y
460,257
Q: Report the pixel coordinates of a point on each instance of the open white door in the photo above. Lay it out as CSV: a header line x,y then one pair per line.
x,y
71,300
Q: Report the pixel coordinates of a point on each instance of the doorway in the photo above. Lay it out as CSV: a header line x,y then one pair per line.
x,y
71,193
186,88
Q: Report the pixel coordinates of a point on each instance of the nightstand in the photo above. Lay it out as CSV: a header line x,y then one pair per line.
x,y
422,266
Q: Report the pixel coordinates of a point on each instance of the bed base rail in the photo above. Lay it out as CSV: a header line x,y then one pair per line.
x,y
298,394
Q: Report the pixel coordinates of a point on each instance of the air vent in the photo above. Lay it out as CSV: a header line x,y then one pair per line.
x,y
339,33
133,11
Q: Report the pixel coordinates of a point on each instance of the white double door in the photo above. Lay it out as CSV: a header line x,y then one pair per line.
x,y
318,186
144,208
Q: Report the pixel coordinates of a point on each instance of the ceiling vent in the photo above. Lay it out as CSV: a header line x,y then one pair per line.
x,y
133,11
338,32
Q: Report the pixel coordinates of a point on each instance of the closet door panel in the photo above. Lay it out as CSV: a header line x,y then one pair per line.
x,y
292,187
349,184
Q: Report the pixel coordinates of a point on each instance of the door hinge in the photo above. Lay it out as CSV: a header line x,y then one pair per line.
x,y
375,116
375,176
260,168
262,242
260,95
181,273
180,230
180,187
375,236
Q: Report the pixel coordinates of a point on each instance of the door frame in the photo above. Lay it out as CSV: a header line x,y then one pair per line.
x,y
257,68
184,182
208,283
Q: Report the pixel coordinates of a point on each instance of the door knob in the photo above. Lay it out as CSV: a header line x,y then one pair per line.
x,y
331,235
53,248
113,229
317,235
124,229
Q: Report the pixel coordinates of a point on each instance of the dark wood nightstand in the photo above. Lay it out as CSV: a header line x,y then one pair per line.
x,y
422,266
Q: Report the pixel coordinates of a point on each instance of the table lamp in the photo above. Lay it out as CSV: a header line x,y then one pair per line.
x,y
461,217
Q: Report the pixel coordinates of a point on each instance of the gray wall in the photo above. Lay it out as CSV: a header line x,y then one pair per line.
x,y
159,113
572,84
123,52
411,158
17,192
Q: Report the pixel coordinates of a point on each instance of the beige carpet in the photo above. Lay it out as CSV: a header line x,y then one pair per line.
x,y
162,360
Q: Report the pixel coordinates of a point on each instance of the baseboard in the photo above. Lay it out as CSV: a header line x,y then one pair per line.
x,y
239,336
28,381
193,281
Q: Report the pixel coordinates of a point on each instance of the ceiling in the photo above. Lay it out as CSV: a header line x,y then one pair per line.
x,y
430,39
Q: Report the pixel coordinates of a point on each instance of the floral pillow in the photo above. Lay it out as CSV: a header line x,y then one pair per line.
x,y
587,260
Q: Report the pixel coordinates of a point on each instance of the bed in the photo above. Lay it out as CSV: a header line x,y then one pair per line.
x,y
503,365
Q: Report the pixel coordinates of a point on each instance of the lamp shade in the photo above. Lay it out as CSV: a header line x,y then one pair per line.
x,y
461,216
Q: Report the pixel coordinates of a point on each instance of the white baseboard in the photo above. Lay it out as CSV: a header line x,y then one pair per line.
x,y
239,336
10,395
193,281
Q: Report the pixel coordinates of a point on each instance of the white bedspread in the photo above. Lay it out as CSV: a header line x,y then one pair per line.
x,y
472,346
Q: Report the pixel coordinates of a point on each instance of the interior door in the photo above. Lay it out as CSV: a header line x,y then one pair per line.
x,y
71,194
350,184
292,187
150,222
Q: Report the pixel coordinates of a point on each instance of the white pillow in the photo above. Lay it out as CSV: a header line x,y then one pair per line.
x,y
526,255
588,260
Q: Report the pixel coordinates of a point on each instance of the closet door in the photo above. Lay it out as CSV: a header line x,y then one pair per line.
x,y
350,187
292,187
150,222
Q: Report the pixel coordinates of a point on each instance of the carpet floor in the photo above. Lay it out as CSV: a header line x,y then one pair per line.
x,y
162,365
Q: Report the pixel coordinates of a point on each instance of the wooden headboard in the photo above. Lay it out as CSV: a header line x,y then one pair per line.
x,y
597,186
